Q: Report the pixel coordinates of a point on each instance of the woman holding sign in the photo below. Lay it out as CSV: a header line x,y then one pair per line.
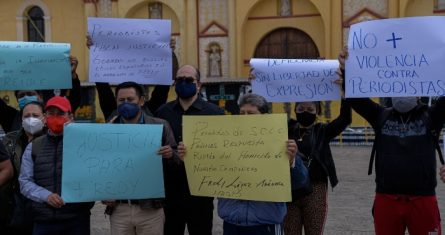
x,y
245,217
308,208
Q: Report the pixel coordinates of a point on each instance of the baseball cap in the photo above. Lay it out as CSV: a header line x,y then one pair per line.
x,y
59,102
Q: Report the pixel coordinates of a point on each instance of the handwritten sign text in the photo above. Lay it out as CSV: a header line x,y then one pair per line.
x,y
241,157
110,161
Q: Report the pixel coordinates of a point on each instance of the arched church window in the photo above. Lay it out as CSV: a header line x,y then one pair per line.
x,y
35,25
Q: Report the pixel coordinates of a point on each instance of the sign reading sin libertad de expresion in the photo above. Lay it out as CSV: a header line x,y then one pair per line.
x,y
295,80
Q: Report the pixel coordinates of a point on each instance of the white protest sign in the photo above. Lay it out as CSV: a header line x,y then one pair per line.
x,y
396,58
295,80
130,50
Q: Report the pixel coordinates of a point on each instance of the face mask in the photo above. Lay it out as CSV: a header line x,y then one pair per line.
x,y
56,123
404,104
32,125
185,90
25,100
306,119
128,110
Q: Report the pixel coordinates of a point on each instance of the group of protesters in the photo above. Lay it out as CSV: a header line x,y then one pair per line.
x,y
406,140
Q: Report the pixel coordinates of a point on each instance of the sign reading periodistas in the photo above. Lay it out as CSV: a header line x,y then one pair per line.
x,y
130,50
34,66
239,156
295,80
110,161
396,58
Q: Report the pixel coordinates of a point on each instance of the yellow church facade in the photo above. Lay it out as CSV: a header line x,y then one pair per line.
x,y
217,36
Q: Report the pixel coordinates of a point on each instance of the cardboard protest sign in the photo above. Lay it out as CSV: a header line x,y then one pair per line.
x,y
109,161
295,80
241,156
130,50
388,58
34,66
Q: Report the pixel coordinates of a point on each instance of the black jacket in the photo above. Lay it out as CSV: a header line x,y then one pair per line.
x,y
405,146
318,139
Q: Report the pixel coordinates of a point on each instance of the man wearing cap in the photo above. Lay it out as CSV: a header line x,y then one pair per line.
x,y
41,175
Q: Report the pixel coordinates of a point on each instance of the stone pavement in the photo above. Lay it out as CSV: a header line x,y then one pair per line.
x,y
349,204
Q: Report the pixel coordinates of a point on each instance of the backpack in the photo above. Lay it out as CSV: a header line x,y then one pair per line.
x,y
382,119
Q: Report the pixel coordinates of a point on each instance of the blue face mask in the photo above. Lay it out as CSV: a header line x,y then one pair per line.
x,y
128,110
185,90
26,99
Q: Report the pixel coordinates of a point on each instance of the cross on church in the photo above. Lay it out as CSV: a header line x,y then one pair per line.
x,y
222,94
394,39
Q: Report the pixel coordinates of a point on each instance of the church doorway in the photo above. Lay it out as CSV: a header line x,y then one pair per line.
x,y
288,43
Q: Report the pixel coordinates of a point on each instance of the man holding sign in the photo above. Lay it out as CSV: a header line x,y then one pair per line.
x,y
140,216
41,176
406,137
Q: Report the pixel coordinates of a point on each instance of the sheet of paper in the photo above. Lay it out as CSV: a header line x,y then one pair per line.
x,y
130,50
238,156
34,66
111,161
295,80
396,58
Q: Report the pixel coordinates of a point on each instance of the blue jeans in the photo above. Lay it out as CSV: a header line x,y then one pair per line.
x,y
76,226
267,229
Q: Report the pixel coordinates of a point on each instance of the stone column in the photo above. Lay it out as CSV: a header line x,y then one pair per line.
x,y
232,39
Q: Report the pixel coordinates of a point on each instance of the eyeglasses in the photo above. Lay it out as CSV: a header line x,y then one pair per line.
x,y
185,79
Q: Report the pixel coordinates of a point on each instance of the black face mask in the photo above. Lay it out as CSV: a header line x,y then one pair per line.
x,y
306,119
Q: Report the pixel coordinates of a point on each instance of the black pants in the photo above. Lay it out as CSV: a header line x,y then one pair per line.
x,y
195,212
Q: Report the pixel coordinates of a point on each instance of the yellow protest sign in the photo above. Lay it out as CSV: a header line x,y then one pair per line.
x,y
238,156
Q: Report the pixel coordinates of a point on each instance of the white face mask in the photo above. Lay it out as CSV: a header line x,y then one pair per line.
x,y
32,125
404,104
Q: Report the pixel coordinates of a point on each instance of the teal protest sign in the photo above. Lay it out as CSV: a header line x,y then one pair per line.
x,y
396,58
110,161
34,66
